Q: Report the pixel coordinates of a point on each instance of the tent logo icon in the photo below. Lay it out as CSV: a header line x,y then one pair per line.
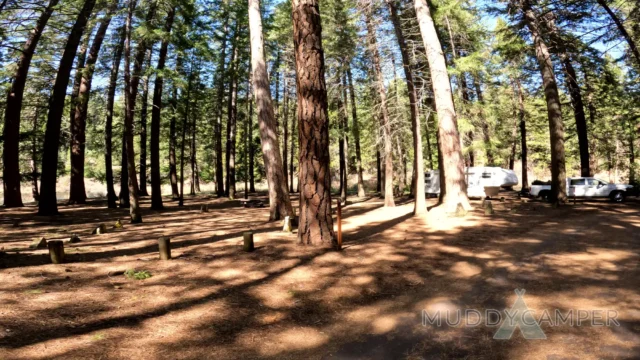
x,y
519,316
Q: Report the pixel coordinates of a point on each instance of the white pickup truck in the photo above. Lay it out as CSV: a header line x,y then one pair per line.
x,y
586,187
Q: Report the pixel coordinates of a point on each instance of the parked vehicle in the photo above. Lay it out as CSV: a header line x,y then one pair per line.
x,y
586,187
477,179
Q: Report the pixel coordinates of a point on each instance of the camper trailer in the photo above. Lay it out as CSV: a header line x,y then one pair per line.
x,y
477,179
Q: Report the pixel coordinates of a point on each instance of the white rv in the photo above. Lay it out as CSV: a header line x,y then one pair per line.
x,y
477,179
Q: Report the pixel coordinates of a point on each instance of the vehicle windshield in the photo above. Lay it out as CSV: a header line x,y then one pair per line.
x,y
602,182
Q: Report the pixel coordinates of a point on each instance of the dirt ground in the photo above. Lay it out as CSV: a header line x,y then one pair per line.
x,y
213,301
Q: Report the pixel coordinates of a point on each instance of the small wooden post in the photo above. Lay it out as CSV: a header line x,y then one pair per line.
x,y
164,248
339,225
56,251
248,241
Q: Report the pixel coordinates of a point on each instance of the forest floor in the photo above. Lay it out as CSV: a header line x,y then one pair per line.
x,y
283,301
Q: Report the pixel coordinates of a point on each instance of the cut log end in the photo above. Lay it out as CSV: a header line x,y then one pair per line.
x,y
164,248
248,242
56,251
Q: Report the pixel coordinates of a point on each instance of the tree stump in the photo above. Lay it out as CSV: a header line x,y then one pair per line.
x,y
488,207
460,211
56,251
248,242
204,208
164,248
289,224
38,243
74,239
100,230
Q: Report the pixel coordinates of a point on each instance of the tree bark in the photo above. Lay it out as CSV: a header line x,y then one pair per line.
x,y
285,124
34,157
48,201
294,137
279,201
384,120
345,138
578,112
77,193
156,110
454,186
315,224
232,112
420,204
13,109
185,123
108,128
220,77
342,171
143,126
523,137
556,127
173,175
356,132
130,92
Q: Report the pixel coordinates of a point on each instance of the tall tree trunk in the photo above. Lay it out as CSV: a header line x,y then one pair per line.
x,y
486,133
108,128
123,196
252,186
578,112
11,132
143,126
156,110
232,111
316,224
294,138
384,120
341,150
625,34
523,136
77,192
428,135
247,135
192,150
48,204
454,186
420,205
220,77
185,123
556,127
356,132
378,172
130,93
279,201
173,175
345,138
34,157
285,124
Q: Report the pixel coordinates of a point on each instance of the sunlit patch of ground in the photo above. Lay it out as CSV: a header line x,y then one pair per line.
x,y
284,301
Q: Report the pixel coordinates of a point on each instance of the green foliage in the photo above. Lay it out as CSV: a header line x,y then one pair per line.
x,y
137,275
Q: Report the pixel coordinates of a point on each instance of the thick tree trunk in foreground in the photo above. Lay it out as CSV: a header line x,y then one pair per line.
x,y
556,127
356,133
108,128
130,93
523,136
77,192
279,202
173,175
384,120
156,110
315,223
294,139
11,132
48,204
454,186
418,161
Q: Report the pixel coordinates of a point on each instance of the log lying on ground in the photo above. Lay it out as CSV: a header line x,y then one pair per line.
x,y
56,251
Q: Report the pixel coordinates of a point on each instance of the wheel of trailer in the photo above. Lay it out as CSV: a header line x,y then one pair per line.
x,y
617,196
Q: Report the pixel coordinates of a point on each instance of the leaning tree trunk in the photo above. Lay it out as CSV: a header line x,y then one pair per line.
x,y
156,181
556,127
315,224
108,128
356,133
130,92
625,34
77,192
578,112
452,169
279,201
143,127
48,204
418,162
385,123
15,95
